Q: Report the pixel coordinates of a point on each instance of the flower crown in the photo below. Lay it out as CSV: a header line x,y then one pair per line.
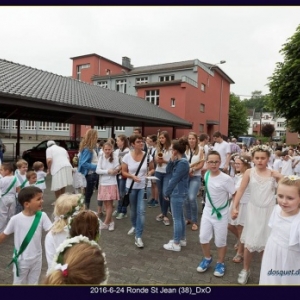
x,y
57,263
75,209
263,148
244,160
292,177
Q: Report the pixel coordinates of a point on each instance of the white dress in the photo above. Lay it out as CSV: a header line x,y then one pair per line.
x,y
260,206
79,180
240,220
282,252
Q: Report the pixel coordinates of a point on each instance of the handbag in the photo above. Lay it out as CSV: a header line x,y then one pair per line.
x,y
125,200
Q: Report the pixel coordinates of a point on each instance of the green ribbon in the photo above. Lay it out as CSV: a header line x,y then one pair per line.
x,y
26,241
40,181
23,184
10,187
214,209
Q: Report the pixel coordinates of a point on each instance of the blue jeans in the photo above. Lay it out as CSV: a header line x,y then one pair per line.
x,y
191,203
178,218
162,185
122,190
91,180
137,211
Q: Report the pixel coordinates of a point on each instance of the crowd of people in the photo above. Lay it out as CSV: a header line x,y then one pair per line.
x,y
252,193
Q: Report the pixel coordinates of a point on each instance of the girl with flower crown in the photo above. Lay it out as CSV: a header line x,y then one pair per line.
x,y
261,182
65,206
241,164
281,260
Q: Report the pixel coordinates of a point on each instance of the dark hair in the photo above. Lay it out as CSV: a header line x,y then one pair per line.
x,y
213,152
180,145
138,129
124,139
153,137
8,166
29,174
203,137
86,223
168,141
217,134
135,137
37,165
28,193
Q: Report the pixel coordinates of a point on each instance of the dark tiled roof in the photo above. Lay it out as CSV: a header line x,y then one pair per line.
x,y
40,89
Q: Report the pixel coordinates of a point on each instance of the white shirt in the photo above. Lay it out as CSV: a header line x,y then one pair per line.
x,y
20,225
60,158
286,168
103,166
5,183
132,168
166,156
223,148
277,164
195,158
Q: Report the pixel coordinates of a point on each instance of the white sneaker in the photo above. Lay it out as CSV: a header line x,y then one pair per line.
x,y
173,247
103,226
139,243
114,213
243,276
131,231
121,216
111,226
182,242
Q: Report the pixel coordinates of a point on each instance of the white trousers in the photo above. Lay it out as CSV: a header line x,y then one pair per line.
x,y
29,271
7,210
210,226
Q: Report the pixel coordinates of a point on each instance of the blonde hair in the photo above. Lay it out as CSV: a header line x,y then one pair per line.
x,y
30,174
21,162
85,223
194,134
90,140
64,204
291,180
111,156
85,265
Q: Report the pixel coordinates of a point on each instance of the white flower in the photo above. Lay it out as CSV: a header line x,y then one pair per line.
x,y
293,177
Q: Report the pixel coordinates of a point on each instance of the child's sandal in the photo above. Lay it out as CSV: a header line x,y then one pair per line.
x,y
238,258
195,227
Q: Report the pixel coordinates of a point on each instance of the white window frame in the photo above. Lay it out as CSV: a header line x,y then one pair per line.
x,y
4,124
119,128
121,85
79,68
47,126
14,125
203,87
152,96
202,107
141,80
172,102
166,78
280,124
30,125
100,128
103,84
61,127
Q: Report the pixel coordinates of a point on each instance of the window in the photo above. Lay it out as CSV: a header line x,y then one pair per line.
x,y
100,128
121,86
203,87
103,84
280,124
14,124
280,133
120,128
4,124
79,68
141,80
172,102
202,107
166,78
61,127
30,125
46,125
201,128
153,97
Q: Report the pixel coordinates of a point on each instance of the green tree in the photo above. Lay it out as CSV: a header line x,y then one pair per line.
x,y
284,84
238,123
267,130
257,101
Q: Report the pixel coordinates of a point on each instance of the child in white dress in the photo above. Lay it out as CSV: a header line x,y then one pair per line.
x,y
79,181
241,164
39,167
261,181
281,259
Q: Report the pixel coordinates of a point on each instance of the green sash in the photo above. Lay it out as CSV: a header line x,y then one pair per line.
x,y
23,184
214,209
26,241
10,187
40,181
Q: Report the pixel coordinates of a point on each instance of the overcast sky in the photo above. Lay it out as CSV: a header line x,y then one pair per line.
x,y
248,38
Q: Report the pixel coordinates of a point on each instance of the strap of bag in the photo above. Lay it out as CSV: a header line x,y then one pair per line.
x,y
214,210
191,155
26,241
10,187
137,172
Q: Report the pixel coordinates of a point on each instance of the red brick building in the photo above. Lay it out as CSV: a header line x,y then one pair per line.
x,y
193,90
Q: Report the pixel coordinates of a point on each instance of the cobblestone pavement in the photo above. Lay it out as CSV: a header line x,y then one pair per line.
x,y
151,265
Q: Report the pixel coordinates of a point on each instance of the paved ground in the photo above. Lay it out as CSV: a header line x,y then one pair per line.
x,y
151,265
